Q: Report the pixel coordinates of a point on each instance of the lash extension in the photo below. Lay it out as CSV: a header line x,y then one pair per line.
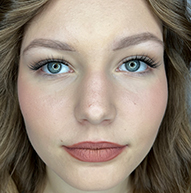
x,y
144,58
37,65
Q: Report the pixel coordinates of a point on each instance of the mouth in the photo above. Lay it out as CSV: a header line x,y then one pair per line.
x,y
95,151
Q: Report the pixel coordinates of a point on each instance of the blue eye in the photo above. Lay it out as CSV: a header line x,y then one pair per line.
x,y
52,66
55,68
133,66
138,64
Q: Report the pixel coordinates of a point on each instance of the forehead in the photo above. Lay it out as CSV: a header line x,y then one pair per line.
x,y
91,21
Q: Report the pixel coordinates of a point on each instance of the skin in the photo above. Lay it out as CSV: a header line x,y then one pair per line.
x,y
96,100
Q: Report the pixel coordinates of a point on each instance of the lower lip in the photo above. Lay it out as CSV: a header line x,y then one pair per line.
x,y
95,155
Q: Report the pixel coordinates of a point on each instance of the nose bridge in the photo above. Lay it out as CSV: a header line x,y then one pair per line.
x,y
95,89
95,102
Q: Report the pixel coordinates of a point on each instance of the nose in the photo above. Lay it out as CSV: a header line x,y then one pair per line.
x,y
95,104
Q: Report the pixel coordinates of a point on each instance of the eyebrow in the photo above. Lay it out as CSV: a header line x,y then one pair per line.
x,y
48,43
120,44
136,39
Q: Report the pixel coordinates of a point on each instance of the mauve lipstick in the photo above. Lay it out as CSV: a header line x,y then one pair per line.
x,y
94,151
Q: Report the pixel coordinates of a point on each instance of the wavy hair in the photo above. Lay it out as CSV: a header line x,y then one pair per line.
x,y
166,168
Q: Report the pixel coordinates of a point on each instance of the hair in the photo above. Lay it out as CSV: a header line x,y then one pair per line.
x,y
166,168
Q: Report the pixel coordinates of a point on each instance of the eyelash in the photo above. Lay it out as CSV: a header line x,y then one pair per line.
x,y
151,62
145,64
35,66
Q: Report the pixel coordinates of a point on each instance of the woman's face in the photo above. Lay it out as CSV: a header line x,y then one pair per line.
x,y
92,90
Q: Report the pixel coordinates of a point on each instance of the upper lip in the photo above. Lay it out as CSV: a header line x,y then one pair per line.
x,y
95,145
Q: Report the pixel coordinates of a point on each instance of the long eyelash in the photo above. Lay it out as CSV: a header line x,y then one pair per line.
x,y
37,65
144,58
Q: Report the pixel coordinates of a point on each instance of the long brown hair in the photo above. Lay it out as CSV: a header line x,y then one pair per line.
x,y
167,167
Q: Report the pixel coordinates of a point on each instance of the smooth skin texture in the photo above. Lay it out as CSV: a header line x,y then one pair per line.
x,y
94,98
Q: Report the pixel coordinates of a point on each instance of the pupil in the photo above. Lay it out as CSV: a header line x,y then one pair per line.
x,y
54,67
132,66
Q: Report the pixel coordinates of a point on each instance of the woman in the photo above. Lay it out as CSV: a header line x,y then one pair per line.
x,y
94,96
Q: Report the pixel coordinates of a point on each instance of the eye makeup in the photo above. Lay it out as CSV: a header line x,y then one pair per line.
x,y
144,63
37,65
138,64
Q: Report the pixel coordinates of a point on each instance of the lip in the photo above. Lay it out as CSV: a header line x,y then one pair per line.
x,y
95,151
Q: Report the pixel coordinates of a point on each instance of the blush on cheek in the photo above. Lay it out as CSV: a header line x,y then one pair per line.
x,y
34,114
159,94
30,103
157,97
153,104
27,100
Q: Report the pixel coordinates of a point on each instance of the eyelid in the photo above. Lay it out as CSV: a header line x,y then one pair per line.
x,y
37,65
144,58
150,62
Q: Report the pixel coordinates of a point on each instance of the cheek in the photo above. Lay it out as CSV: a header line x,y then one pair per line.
x,y
153,102
32,110
40,112
143,107
153,105
142,115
